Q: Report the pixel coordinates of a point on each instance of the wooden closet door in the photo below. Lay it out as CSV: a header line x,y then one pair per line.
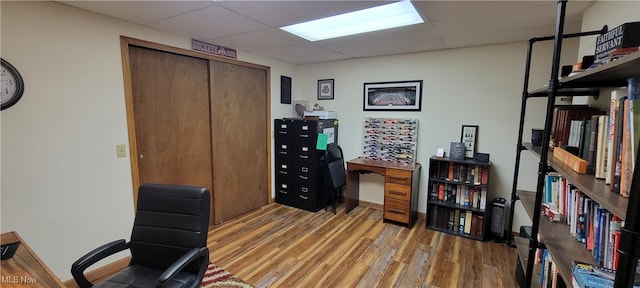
x,y
172,120
239,135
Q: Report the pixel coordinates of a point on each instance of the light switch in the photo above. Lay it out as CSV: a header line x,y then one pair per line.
x,y
121,150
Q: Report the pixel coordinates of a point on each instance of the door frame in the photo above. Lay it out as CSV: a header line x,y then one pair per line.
x,y
125,42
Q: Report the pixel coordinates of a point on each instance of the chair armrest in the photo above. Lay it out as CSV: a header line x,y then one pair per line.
x,y
95,255
193,255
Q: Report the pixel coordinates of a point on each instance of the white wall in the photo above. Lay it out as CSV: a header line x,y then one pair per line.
x,y
62,188
476,86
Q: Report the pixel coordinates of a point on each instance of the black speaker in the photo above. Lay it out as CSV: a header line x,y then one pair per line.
x,y
497,217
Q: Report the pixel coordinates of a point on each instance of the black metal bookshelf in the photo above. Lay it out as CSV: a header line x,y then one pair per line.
x,y
557,239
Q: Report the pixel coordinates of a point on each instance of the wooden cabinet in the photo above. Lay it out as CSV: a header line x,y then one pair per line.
x,y
299,170
457,197
397,195
401,187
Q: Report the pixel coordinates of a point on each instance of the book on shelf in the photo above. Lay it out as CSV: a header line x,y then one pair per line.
x,y
564,114
624,36
593,145
451,220
586,140
634,114
626,161
601,152
585,275
469,222
613,135
588,222
549,276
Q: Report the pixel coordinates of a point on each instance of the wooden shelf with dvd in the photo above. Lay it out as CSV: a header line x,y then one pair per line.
x,y
458,193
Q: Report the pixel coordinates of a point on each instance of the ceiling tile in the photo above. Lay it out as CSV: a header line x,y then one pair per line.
x,y
142,12
493,23
408,39
444,10
316,58
263,39
521,35
207,23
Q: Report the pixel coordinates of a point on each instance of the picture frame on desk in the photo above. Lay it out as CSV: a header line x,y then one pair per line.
x,y
393,96
468,136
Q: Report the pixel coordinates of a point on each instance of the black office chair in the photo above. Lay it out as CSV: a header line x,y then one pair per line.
x,y
168,241
336,174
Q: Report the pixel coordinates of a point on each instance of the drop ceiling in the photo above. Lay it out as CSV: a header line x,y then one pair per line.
x,y
253,26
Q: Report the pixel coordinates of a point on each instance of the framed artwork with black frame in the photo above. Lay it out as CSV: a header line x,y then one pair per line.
x,y
468,136
393,96
325,89
285,90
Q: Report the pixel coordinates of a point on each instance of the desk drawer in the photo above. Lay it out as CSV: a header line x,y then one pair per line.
x,y
397,176
395,191
396,210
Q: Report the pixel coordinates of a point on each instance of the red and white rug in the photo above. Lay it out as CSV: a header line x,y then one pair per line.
x,y
220,278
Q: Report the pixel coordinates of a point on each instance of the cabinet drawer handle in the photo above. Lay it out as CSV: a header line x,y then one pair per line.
x,y
282,132
304,197
397,193
303,177
304,156
283,192
399,178
282,172
283,152
304,135
304,189
397,211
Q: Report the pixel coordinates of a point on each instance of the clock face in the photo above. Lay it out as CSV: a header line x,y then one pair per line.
x,y
11,85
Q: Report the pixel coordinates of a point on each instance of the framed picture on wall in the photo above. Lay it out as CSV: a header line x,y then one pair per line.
x,y
325,89
393,96
285,90
468,137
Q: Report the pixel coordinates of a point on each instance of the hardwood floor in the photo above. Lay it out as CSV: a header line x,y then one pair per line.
x,y
281,246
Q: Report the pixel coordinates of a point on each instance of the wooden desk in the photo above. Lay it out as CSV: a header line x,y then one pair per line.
x,y
25,268
401,188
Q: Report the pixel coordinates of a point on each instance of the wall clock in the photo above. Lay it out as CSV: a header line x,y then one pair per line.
x,y
11,85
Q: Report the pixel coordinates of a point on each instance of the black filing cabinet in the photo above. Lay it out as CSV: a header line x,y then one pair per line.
x,y
299,172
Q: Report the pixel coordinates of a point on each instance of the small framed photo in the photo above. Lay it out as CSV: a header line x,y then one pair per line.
x,y
393,96
325,89
468,137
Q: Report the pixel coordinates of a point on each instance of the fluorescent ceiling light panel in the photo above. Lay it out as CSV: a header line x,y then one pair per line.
x,y
372,19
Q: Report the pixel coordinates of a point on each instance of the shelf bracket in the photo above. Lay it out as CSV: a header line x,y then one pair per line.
x,y
628,243
534,244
